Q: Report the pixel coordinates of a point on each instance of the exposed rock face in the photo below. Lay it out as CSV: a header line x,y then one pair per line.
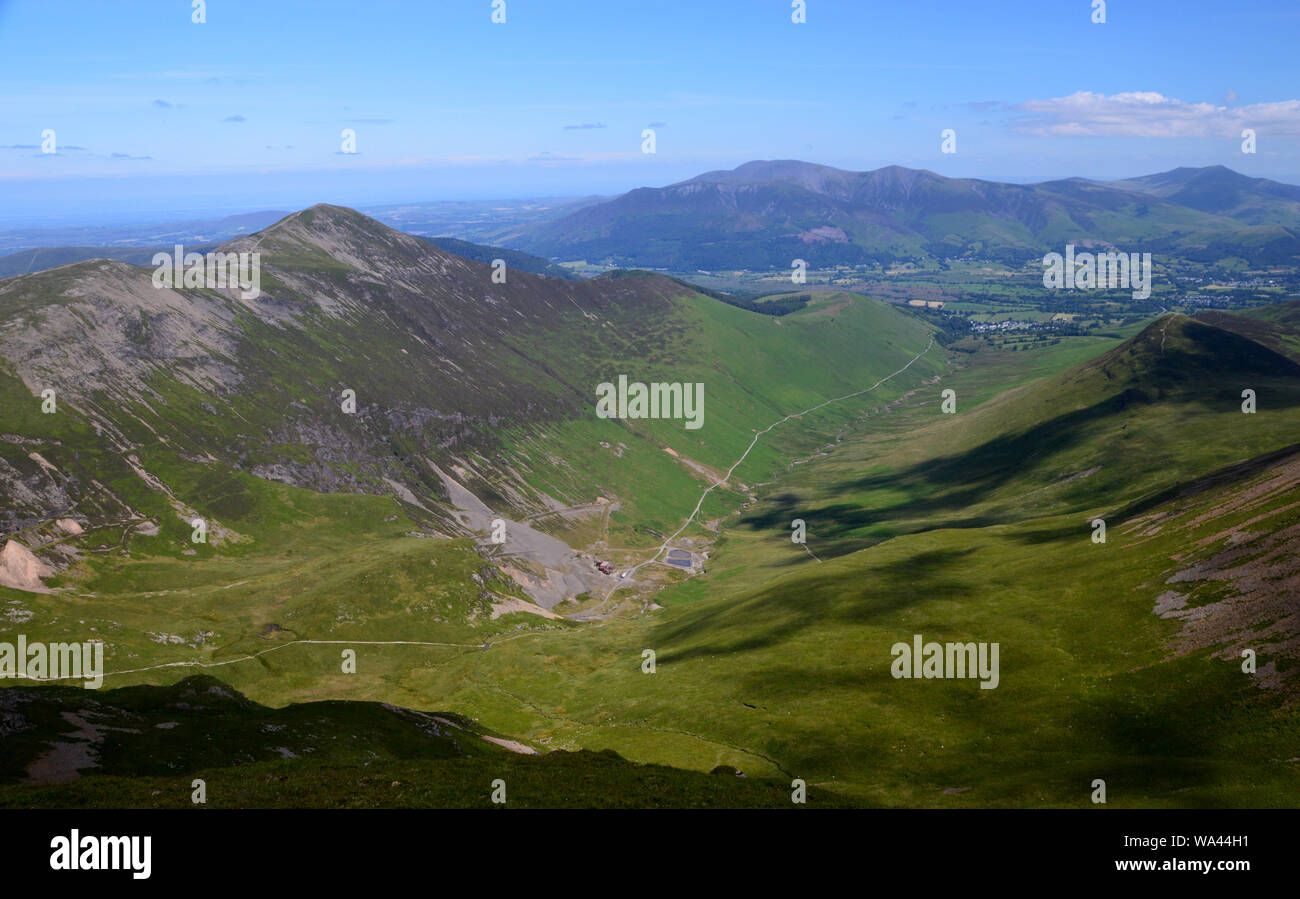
x,y
548,569
445,360
69,526
20,569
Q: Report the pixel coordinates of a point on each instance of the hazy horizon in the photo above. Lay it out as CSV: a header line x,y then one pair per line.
x,y
115,211
452,106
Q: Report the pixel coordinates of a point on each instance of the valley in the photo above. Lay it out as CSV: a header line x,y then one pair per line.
x,y
375,533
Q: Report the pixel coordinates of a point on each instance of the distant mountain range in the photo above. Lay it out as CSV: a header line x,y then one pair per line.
x,y
765,214
41,258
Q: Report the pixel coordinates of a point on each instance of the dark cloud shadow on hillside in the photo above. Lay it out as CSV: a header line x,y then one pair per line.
x,y
948,484
1158,740
1218,479
1144,738
1037,536
780,612
1182,491
835,530
967,477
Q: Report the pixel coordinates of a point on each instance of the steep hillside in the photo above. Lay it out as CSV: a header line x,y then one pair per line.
x,y
445,364
1163,406
1277,326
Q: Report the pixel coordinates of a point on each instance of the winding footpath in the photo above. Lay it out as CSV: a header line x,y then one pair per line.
x,y
696,511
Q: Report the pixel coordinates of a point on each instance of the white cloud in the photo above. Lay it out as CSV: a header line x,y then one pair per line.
x,y
1151,114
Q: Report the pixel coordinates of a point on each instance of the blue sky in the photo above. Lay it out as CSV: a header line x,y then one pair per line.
x,y
152,112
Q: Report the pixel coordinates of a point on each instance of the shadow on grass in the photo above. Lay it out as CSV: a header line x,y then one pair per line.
x,y
777,613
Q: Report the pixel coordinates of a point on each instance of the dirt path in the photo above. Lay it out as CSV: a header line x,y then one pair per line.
x,y
743,456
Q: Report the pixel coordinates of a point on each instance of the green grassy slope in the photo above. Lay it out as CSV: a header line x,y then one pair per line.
x,y
838,345
779,664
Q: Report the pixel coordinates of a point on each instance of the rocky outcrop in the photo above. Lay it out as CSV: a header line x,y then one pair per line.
x,y
20,569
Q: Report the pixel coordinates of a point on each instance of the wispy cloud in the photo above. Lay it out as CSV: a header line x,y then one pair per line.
x,y
1150,114
162,104
588,126
234,118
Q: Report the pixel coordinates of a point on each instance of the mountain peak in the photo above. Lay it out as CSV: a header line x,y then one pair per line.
x,y
320,216
325,234
1186,174
1219,190
330,211
760,171
1175,349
